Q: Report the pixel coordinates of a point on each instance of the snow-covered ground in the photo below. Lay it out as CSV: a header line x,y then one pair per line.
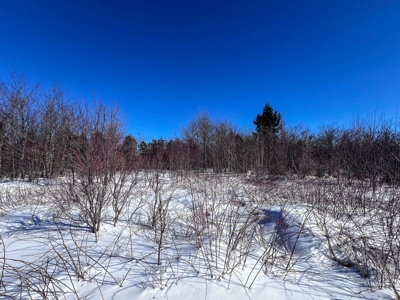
x,y
201,237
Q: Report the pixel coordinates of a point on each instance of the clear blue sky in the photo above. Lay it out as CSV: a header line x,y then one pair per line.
x,y
317,62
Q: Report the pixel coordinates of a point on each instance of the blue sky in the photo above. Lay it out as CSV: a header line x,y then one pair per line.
x,y
316,62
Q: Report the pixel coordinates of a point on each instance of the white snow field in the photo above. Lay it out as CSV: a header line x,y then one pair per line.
x,y
201,236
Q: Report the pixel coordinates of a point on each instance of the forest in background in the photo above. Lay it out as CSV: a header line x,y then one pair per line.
x,y
43,134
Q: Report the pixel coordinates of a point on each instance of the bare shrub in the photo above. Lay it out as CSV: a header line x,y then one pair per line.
x,y
20,279
97,162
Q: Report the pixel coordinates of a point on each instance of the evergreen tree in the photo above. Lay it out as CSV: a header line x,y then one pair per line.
x,y
129,150
129,147
268,124
143,147
268,121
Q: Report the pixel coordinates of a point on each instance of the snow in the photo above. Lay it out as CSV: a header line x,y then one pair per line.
x,y
195,259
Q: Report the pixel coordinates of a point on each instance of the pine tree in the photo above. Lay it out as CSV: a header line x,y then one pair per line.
x,y
268,124
268,121
129,149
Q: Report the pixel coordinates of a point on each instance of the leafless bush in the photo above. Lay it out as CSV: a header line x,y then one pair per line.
x,y
98,170
72,247
123,191
21,279
223,217
361,227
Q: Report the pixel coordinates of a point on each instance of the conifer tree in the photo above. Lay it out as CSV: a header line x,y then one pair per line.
x,y
269,121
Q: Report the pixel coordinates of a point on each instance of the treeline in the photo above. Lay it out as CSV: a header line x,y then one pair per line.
x,y
43,134
368,150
